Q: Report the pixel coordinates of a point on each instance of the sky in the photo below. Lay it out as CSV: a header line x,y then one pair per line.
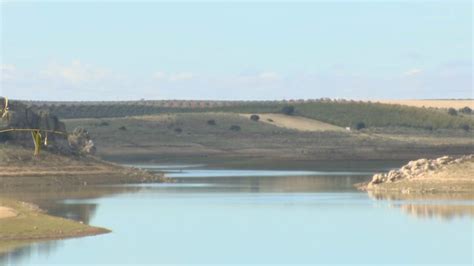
x,y
124,50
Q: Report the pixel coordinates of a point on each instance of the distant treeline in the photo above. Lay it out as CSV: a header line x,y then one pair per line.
x,y
343,113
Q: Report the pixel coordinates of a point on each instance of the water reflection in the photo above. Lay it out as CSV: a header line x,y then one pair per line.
x,y
52,201
446,212
446,206
210,218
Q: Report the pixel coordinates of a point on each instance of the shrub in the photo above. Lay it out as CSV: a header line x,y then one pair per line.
x,y
270,120
360,125
255,118
122,128
465,127
178,130
452,111
211,122
466,110
235,128
288,110
5,136
103,124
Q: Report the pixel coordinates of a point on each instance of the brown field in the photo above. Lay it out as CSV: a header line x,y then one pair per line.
x,y
457,104
296,122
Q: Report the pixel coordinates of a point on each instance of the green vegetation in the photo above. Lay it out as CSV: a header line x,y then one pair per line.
x,y
466,110
154,137
452,111
235,128
340,113
380,115
288,110
255,118
360,125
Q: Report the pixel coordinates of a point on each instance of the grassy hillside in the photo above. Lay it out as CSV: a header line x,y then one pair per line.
x,y
179,135
340,113
382,115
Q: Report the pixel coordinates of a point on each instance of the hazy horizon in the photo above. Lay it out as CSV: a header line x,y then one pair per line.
x,y
87,51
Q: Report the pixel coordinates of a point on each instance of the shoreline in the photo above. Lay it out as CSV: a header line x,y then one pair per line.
x,y
441,175
20,170
32,223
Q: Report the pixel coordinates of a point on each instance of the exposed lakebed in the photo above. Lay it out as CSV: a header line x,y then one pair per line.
x,y
255,216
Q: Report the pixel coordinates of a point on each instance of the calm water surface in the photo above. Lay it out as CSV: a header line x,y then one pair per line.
x,y
226,216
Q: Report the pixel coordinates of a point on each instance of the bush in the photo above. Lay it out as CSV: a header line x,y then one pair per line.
x,y
122,128
255,118
270,120
466,110
360,125
103,124
288,110
452,111
465,127
235,128
178,130
211,122
5,136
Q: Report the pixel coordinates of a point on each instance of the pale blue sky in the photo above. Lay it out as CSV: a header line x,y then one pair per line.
x,y
127,50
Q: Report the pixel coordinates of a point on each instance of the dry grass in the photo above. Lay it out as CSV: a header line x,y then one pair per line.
x,y
296,122
457,104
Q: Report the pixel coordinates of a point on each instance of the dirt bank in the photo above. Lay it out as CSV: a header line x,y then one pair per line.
x,y
19,168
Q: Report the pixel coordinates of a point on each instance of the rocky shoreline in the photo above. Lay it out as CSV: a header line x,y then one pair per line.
x,y
443,174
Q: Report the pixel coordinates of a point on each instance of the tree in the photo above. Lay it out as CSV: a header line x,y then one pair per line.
x,y
452,111
360,125
234,128
466,110
255,118
288,110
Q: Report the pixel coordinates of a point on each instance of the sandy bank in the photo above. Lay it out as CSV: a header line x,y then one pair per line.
x,y
6,212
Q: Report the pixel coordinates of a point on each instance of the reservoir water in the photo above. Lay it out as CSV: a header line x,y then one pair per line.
x,y
229,216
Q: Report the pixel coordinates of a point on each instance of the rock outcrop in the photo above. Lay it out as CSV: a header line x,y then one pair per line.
x,y
21,116
80,141
418,170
